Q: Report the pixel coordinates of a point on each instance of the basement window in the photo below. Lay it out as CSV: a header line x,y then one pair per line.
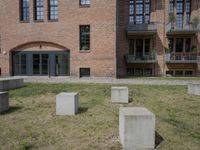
x,y
84,72
85,3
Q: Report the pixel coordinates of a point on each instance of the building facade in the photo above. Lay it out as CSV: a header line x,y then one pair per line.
x,y
100,38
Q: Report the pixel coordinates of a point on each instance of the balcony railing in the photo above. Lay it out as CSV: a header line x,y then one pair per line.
x,y
140,58
182,57
145,28
186,28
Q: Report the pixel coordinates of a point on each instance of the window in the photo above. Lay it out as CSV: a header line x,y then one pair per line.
x,y
85,37
131,46
39,10
179,45
179,14
84,72
188,45
171,45
19,63
24,10
188,11
139,11
178,73
53,9
139,47
188,73
84,2
171,7
147,46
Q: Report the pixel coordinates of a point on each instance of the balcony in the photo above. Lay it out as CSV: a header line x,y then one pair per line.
x,y
182,58
185,29
140,58
144,29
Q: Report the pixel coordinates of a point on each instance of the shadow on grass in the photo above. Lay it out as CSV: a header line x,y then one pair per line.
x,y
82,110
158,139
11,110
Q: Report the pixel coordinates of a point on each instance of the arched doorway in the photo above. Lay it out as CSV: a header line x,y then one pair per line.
x,y
40,59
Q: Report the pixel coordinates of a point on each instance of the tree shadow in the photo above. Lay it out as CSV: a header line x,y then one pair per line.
x,y
11,110
158,139
82,110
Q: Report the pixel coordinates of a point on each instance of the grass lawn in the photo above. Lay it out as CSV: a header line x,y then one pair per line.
x,y
165,78
31,122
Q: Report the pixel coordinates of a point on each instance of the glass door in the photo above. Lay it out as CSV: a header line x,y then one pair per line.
x,y
40,64
139,48
62,64
44,64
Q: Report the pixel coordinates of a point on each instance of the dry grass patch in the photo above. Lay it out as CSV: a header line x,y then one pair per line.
x,y
31,123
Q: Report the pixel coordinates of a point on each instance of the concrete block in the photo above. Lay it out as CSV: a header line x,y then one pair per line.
x,y
67,103
136,128
119,95
4,102
11,83
194,89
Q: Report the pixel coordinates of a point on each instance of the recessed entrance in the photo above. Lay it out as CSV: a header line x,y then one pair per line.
x,y
52,63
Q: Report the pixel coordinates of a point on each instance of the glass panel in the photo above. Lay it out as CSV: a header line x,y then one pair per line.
x,y
171,7
139,48
84,72
179,45
131,47
179,9
25,10
45,64
39,8
36,64
147,46
19,64
85,2
171,45
53,9
85,37
62,64
187,45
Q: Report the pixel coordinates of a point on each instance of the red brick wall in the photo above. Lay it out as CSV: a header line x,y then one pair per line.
x,y
101,16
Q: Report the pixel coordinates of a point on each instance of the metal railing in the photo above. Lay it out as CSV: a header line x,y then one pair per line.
x,y
142,27
141,58
185,27
182,57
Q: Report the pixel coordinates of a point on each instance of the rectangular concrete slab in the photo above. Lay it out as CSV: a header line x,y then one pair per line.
x,y
119,95
67,103
194,89
12,83
4,102
136,128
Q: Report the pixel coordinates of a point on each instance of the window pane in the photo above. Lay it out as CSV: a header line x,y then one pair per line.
x,y
147,46
85,37
179,45
39,8
188,45
53,9
85,2
24,10
131,46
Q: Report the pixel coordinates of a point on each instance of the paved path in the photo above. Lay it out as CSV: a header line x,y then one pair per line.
x,y
107,80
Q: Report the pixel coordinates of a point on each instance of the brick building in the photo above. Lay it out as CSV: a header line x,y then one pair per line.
x,y
101,38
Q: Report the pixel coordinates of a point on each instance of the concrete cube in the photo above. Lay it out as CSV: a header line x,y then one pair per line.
x,y
67,103
119,95
4,102
11,83
136,128
194,89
